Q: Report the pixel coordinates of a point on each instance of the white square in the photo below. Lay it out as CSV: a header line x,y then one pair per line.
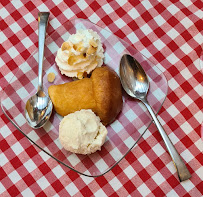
x,y
146,29
198,144
2,188
55,23
101,165
121,2
199,89
115,184
188,185
187,156
17,148
57,1
173,9
146,53
30,165
58,171
115,153
72,189
119,47
94,18
20,119
117,126
15,27
172,193
144,161
44,155
158,149
22,92
43,8
172,110
130,172
27,192
8,103
27,42
198,116
143,189
68,13
172,33
159,44
173,138
82,4
171,167
4,13
29,17
43,183
158,178
3,38
3,159
10,76
186,73
132,37
199,172
186,100
120,23
13,52
186,48
107,8
134,13
5,131
87,180
17,4
129,142
100,193
173,84
14,176
159,20
73,159
172,59
187,23
130,115
186,128
147,4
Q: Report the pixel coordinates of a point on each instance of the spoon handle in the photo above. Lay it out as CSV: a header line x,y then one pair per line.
x,y
183,172
42,25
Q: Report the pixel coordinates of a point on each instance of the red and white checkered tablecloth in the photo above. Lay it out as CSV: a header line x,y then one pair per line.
x,y
169,33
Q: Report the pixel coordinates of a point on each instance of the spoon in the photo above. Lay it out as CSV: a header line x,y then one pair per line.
x,y
39,107
136,84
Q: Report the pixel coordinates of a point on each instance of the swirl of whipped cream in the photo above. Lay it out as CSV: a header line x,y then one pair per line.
x,y
80,54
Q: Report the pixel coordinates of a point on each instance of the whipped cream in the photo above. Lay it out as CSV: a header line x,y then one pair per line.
x,y
80,54
82,132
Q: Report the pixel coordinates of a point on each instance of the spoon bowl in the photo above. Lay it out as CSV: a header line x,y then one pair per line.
x,y
39,107
135,82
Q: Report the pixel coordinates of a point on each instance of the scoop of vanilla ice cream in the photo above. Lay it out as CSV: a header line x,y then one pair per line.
x,y
82,132
81,53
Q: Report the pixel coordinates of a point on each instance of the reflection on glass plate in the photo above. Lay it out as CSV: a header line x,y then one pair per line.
x,y
123,133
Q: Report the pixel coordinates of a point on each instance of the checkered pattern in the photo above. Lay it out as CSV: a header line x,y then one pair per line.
x,y
169,34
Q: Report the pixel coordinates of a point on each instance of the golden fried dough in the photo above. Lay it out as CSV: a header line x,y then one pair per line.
x,y
101,93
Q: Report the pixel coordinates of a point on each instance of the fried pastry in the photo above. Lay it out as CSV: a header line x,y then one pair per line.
x,y
101,93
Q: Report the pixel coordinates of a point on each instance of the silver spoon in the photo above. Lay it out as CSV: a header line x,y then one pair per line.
x,y
39,107
136,84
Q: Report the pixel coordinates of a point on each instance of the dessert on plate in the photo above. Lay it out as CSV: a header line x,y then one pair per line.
x,y
101,93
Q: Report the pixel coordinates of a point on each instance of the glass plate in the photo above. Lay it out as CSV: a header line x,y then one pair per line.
x,y
123,133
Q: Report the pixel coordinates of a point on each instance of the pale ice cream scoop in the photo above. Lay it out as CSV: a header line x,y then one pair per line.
x,y
82,132
80,54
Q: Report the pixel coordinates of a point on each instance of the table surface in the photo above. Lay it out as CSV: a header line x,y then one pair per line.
x,y
169,33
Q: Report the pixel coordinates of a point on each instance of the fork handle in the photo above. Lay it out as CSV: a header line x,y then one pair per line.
x,y
183,172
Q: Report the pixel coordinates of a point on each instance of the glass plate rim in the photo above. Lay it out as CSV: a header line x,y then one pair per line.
x,y
135,143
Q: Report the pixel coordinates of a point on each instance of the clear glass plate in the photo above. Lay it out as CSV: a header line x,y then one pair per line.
x,y
123,133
